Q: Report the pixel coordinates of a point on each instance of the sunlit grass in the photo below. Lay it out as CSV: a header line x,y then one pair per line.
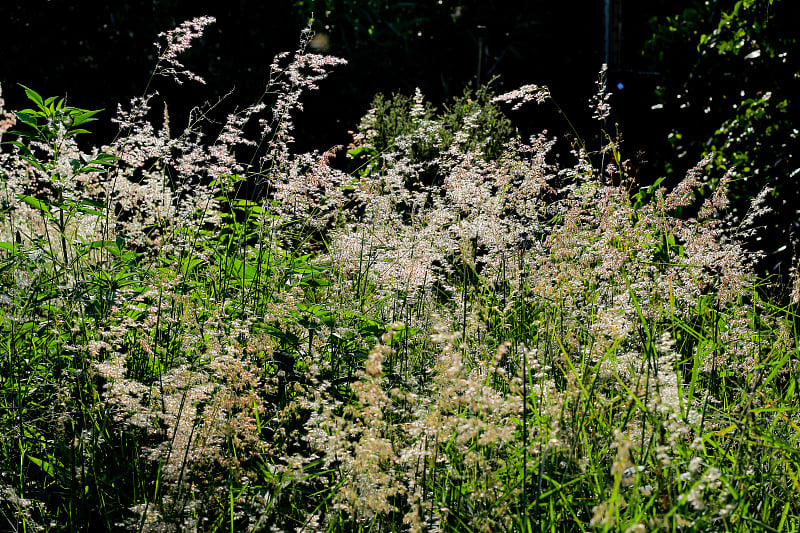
x,y
457,335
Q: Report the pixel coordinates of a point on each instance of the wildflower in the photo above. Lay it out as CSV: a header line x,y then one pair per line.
x,y
7,120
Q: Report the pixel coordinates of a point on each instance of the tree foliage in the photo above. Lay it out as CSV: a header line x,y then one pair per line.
x,y
732,100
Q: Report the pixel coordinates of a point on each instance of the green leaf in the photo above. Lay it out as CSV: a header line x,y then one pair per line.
x,y
404,333
102,244
285,336
34,162
371,328
25,149
49,103
361,150
33,96
190,265
122,254
72,133
107,158
90,211
36,204
243,204
315,282
243,270
32,112
85,117
92,203
27,118
101,159
46,467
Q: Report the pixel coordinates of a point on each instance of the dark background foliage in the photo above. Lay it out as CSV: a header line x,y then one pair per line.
x,y
101,53
729,72
689,77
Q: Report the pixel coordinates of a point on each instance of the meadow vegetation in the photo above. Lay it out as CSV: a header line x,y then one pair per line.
x,y
204,330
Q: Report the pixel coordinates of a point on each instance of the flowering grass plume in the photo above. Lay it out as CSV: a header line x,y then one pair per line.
x,y
173,43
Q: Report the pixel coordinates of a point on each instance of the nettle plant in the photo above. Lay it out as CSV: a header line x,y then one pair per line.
x,y
457,335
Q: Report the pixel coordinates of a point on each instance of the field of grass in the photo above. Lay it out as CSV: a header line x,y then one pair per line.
x,y
203,330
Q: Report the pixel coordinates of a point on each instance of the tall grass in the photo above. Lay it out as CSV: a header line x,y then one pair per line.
x,y
207,331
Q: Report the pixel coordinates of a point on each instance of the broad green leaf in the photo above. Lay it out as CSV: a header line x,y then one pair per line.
x,y
25,149
361,150
315,282
85,117
36,204
243,204
33,162
72,133
249,270
103,244
286,336
404,333
27,118
84,170
104,158
101,159
123,255
33,96
190,265
46,467
91,207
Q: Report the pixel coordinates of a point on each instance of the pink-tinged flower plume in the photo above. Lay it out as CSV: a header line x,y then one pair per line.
x,y
178,41
523,95
6,119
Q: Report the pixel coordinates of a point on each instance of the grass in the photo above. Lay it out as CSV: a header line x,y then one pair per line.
x,y
455,335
